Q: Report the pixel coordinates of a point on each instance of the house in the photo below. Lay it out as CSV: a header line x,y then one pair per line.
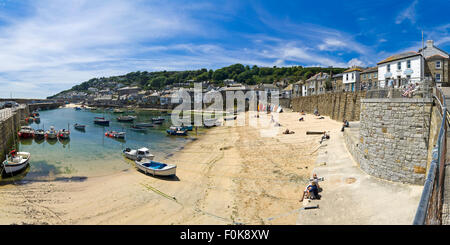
x,y
297,89
128,90
336,82
311,86
92,89
351,79
436,64
316,84
369,78
287,92
401,69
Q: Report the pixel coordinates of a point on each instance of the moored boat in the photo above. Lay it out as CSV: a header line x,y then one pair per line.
x,y
114,134
51,133
158,120
156,168
126,118
137,128
176,131
101,121
118,111
79,126
138,154
15,162
39,134
77,108
63,134
26,132
143,125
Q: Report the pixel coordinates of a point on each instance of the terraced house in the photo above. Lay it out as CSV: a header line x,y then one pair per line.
x,y
351,79
369,78
436,64
401,69
316,84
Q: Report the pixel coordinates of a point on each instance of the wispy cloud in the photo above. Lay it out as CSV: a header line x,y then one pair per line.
x,y
408,14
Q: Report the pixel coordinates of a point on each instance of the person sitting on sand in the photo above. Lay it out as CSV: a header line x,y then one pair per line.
x,y
321,117
325,136
302,113
288,132
345,125
301,119
316,112
311,192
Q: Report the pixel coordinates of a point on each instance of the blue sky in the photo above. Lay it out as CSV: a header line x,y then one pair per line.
x,y
47,46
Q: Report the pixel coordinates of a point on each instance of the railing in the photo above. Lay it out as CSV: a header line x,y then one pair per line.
x,y
429,211
5,114
382,93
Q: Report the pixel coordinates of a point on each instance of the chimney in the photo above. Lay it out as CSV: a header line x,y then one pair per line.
x,y
430,43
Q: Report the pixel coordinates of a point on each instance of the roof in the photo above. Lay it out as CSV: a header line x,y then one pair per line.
x,y
370,69
289,87
399,56
436,56
353,69
338,75
125,88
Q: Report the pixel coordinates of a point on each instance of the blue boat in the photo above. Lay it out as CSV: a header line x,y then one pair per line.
x,y
188,128
156,168
77,108
176,131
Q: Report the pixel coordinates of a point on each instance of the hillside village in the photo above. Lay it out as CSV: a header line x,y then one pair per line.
x,y
398,71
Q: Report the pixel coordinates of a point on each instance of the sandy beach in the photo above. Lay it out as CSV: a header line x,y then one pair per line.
x,y
230,175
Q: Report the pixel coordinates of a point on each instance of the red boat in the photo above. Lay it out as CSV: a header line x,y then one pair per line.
x,y
26,132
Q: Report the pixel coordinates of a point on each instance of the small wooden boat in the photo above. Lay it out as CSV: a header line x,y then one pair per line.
x,y
136,128
79,126
126,119
63,134
15,162
52,133
158,120
143,125
176,131
114,134
101,121
138,154
39,134
26,132
156,168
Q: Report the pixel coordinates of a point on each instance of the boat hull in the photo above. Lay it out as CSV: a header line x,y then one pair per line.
x,y
102,123
170,170
13,168
135,157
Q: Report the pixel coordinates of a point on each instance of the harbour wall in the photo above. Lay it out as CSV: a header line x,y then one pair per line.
x,y
394,138
10,122
338,106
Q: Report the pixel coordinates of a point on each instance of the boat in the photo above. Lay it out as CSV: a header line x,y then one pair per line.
x,y
126,118
29,119
210,122
15,162
176,131
79,126
143,125
156,168
35,114
118,111
77,108
39,134
114,134
158,120
37,119
52,133
63,134
26,132
138,154
101,121
137,128
188,128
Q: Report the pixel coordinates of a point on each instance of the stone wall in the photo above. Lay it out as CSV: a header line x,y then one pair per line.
x,y
394,136
8,130
335,105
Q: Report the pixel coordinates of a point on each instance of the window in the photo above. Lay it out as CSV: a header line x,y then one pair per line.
x,y
438,77
408,64
399,65
389,68
353,75
438,65
364,76
375,75
370,76
346,77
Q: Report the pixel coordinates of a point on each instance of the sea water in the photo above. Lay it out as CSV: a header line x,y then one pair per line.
x,y
90,153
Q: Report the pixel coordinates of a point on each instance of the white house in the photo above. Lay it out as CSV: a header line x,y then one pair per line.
x,y
351,79
401,69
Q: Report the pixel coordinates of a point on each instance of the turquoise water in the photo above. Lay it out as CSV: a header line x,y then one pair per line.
x,y
90,153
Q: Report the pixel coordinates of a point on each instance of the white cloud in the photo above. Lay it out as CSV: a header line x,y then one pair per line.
x,y
356,62
408,14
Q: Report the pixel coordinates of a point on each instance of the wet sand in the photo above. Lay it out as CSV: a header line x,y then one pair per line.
x,y
230,175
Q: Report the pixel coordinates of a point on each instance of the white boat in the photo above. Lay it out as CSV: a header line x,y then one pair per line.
x,y
156,168
16,162
138,154
52,133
